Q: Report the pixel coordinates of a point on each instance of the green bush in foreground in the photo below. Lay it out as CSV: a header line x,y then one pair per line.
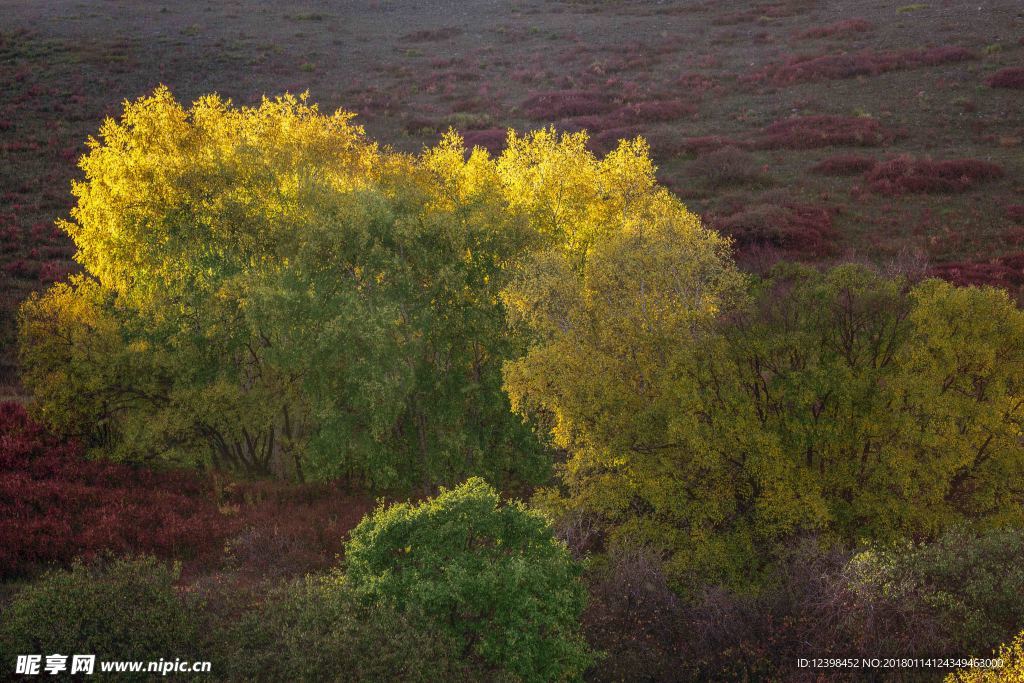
x,y
316,630
125,609
490,576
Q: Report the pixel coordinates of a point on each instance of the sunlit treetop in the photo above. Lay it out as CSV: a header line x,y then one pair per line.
x,y
170,194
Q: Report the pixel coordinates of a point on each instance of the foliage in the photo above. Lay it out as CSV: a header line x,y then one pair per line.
x,y
489,575
712,430
844,164
967,587
808,132
868,62
55,505
917,600
121,610
316,630
1011,671
906,175
1011,77
267,290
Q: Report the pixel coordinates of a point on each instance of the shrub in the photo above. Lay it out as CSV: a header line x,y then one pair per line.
x,y
707,143
120,610
967,587
1012,77
316,630
551,106
1007,271
807,132
428,35
844,164
55,505
1011,671
912,601
489,575
905,175
810,68
845,27
491,139
727,166
788,227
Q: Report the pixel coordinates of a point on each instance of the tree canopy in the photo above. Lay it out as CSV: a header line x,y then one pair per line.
x,y
843,403
267,290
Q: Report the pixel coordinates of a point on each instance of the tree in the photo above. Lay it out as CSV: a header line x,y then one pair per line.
x,y
711,428
489,575
266,290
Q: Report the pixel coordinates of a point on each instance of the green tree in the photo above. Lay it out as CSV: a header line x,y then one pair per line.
x,y
843,402
489,575
267,290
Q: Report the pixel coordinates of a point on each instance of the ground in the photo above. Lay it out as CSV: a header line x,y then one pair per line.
x,y
769,118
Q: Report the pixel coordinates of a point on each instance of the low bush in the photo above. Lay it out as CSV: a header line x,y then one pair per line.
x,y
1006,271
55,505
807,132
905,175
491,139
810,68
488,575
1012,77
1011,670
960,593
789,227
119,610
844,165
316,630
846,27
550,106
965,589
725,167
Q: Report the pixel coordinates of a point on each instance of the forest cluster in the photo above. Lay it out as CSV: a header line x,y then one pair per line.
x,y
601,449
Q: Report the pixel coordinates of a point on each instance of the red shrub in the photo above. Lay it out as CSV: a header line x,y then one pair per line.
x,y
1005,272
23,268
806,132
904,175
844,164
840,28
805,69
53,271
1012,77
708,143
291,530
695,83
799,229
629,116
562,103
55,506
1015,212
652,111
491,139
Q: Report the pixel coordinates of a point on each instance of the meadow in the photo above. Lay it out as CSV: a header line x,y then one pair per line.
x,y
847,477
